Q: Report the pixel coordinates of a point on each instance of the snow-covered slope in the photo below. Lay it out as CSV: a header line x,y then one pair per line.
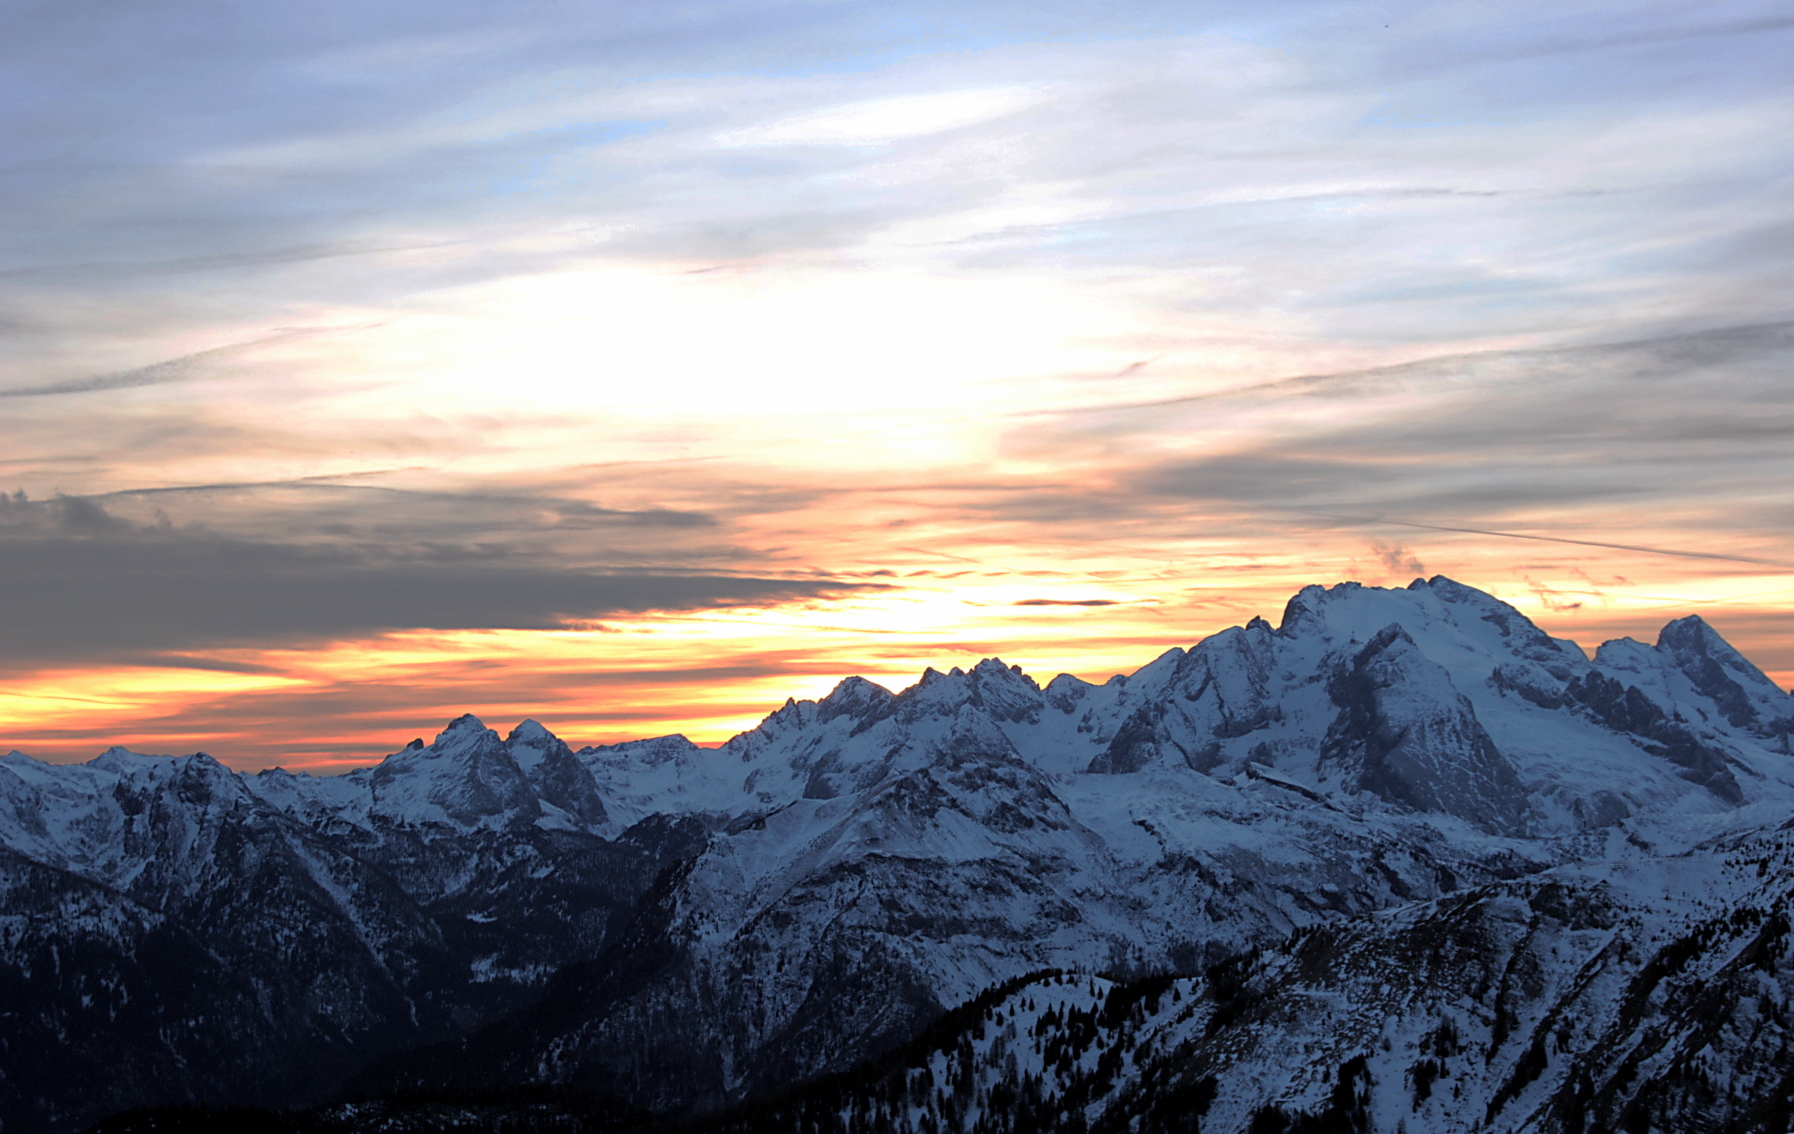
x,y
903,851
170,930
1650,995
827,883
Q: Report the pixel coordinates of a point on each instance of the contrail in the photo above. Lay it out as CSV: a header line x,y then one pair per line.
x,y
1549,539
170,370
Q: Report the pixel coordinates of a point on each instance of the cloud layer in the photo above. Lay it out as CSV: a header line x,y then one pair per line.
x,y
84,584
785,340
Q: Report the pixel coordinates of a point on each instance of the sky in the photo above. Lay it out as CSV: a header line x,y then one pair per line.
x,y
633,367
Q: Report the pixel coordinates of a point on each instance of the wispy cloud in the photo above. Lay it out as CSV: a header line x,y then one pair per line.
x,y
887,119
182,369
1460,443
1131,316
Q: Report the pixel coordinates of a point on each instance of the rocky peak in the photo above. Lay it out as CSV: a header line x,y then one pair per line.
x,y
1692,636
464,729
1065,692
1404,733
558,777
467,778
1743,693
531,731
529,744
197,778
855,697
1002,691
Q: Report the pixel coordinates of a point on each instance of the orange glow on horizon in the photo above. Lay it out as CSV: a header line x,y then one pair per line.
x,y
710,675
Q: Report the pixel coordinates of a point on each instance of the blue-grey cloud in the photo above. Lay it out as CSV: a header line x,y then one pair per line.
x,y
1368,175
318,151
78,583
1626,435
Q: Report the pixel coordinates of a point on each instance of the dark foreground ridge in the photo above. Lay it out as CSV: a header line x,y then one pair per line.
x,y
1066,1052
1402,862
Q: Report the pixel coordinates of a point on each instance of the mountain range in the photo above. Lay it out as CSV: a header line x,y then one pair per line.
x,y
1401,862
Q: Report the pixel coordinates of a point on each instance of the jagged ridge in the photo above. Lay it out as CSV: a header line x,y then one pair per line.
x,y
719,922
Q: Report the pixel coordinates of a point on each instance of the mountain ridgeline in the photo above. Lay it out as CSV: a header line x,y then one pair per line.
x,y
1403,862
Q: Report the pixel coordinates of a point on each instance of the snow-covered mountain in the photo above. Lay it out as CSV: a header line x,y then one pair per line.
x,y
171,930
1650,994
682,926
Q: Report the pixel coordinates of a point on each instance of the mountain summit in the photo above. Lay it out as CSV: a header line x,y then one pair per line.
x,y
681,927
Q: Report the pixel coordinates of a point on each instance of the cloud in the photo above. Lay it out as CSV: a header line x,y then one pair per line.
x,y
337,498
77,582
1458,441
182,369
1236,193
1398,559
887,119
1552,599
1669,447
1230,149
217,261
1748,26
203,664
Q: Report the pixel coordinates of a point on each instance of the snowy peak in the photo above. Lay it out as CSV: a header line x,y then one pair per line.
x,y
974,735
463,731
1001,691
1703,760
651,752
855,697
1443,616
467,778
196,781
529,743
1217,692
1744,696
122,761
562,783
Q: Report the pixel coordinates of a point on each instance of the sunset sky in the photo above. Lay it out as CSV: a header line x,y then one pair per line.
x,y
633,367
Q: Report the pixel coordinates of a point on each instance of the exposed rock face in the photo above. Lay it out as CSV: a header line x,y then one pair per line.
x,y
1406,735
1625,709
1722,677
681,926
